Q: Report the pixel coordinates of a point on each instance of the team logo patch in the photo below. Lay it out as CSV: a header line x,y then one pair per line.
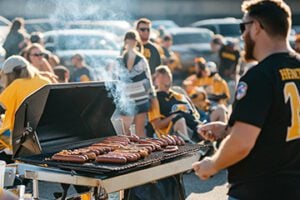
x,y
241,90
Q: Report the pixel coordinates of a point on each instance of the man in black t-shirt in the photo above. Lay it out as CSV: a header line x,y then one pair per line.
x,y
262,139
150,51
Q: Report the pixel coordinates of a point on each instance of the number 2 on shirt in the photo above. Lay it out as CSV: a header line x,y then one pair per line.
x,y
291,93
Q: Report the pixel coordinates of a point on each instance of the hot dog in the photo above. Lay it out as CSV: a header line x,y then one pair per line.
x,y
70,158
170,149
117,159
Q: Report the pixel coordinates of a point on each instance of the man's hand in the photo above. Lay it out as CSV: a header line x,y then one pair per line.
x,y
212,131
205,168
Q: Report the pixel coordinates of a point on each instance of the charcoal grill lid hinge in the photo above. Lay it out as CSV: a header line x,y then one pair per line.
x,y
28,134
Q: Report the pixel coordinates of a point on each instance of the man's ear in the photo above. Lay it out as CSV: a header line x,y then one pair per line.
x,y
257,27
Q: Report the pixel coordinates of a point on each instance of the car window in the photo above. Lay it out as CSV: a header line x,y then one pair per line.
x,y
229,29
73,42
188,38
210,27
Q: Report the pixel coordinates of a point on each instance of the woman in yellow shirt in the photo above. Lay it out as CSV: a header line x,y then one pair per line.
x,y
20,80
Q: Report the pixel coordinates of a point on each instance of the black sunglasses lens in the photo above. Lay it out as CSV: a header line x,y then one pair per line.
x,y
145,29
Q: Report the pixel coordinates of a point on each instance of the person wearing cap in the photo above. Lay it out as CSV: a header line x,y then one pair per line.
x,y
229,60
170,58
206,76
20,80
216,44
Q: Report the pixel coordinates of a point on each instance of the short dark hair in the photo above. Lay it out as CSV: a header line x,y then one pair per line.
x,y
143,21
78,56
167,38
61,71
273,15
36,37
165,70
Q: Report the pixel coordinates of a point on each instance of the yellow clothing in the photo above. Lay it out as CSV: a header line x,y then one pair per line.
x,y
154,113
216,84
13,96
163,106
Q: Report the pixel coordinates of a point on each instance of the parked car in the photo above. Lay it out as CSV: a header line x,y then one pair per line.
x,y
117,27
228,27
189,43
167,24
4,28
74,39
43,25
96,46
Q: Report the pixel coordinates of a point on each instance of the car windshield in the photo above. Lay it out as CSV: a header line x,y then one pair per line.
x,y
229,29
73,42
189,38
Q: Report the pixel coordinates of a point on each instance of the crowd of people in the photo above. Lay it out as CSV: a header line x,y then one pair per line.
x,y
206,95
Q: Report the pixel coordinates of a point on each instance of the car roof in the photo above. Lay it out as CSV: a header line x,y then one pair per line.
x,y
228,20
182,30
4,20
120,23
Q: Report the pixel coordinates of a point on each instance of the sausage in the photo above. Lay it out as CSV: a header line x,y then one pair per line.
x,y
159,142
133,138
113,146
171,138
169,141
131,157
70,158
155,144
121,142
116,159
150,147
170,149
179,140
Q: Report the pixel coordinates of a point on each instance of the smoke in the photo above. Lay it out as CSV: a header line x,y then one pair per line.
x,y
62,12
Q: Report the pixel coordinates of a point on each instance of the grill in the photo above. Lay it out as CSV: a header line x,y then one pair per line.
x,y
92,168
69,116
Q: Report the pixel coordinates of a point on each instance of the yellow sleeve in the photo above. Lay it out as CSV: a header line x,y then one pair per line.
x,y
154,112
84,78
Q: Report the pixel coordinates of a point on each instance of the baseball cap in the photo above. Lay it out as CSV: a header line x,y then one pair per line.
x,y
14,62
212,66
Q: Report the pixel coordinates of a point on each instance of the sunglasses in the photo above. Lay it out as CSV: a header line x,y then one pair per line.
x,y
243,26
144,29
37,54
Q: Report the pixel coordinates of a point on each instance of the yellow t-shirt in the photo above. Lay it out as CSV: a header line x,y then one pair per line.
x,y
12,97
216,83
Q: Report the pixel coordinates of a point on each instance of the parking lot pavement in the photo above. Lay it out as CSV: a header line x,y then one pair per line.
x,y
213,189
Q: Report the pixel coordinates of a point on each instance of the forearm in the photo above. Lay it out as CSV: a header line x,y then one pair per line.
x,y
236,146
228,153
162,123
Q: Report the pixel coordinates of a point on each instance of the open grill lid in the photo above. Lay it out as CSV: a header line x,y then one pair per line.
x,y
60,115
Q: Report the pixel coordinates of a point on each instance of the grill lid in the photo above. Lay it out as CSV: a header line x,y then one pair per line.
x,y
60,115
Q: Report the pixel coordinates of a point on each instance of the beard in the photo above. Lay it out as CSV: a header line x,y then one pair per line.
x,y
249,48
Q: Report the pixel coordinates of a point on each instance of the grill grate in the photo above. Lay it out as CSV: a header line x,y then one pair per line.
x,y
115,169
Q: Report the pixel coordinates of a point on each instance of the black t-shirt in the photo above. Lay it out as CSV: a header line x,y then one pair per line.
x,y
81,75
229,59
268,97
152,55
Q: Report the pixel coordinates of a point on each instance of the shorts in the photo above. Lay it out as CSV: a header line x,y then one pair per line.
x,y
137,109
